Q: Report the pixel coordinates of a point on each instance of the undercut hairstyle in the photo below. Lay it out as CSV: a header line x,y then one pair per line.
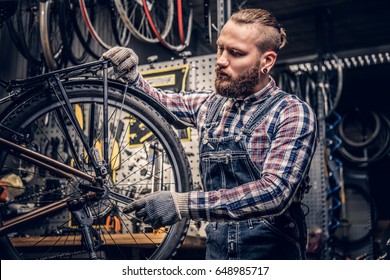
x,y
273,35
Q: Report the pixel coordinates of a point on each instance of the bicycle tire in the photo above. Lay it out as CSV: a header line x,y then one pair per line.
x,y
300,83
26,18
14,35
50,35
374,142
24,32
29,115
70,40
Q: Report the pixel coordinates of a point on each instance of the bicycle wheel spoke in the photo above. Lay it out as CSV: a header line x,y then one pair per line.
x,y
134,18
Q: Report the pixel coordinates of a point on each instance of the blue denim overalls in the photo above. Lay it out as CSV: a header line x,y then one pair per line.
x,y
225,164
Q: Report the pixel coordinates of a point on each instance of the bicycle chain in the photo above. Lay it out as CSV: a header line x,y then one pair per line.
x,y
65,255
32,196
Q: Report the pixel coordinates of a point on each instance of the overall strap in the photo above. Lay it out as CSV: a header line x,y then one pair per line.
x,y
261,112
213,110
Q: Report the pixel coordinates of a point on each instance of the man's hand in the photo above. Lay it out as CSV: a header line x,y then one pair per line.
x,y
161,208
125,63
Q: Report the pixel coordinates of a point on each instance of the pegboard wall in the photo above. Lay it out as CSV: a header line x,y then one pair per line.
x,y
201,74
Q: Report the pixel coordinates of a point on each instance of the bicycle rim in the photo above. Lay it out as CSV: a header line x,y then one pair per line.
x,y
151,159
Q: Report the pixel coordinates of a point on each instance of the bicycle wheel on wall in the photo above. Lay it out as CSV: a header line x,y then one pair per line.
x,y
142,158
50,35
100,10
81,30
73,46
121,34
23,27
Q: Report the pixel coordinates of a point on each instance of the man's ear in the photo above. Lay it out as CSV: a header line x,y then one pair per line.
x,y
268,59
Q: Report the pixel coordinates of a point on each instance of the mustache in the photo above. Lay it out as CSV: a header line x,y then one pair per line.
x,y
219,72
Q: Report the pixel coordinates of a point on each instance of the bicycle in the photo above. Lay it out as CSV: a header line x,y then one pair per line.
x,y
76,147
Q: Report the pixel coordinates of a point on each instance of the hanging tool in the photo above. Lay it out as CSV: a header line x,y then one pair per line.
x,y
207,21
113,223
54,142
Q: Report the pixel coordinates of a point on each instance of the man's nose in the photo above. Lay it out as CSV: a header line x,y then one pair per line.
x,y
222,61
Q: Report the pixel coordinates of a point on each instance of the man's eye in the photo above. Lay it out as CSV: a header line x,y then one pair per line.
x,y
235,53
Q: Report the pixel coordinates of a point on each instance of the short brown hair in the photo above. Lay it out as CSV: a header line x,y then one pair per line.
x,y
275,36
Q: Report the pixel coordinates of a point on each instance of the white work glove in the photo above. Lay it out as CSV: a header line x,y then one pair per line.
x,y
124,62
160,208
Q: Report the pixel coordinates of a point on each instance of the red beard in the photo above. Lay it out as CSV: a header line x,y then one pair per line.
x,y
239,86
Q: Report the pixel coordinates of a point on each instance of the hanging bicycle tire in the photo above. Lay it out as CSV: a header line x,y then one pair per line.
x,y
71,42
300,83
100,11
365,136
179,35
81,29
50,35
148,157
23,27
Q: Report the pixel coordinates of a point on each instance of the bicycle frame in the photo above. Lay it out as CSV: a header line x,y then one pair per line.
x,y
98,185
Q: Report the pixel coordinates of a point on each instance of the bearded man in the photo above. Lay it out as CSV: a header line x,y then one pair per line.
x,y
256,143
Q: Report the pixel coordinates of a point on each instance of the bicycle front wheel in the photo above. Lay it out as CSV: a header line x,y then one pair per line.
x,y
144,155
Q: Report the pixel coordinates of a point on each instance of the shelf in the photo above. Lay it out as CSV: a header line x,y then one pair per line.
x,y
138,240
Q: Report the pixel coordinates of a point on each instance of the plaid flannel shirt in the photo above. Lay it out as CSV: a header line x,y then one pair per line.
x,y
281,147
